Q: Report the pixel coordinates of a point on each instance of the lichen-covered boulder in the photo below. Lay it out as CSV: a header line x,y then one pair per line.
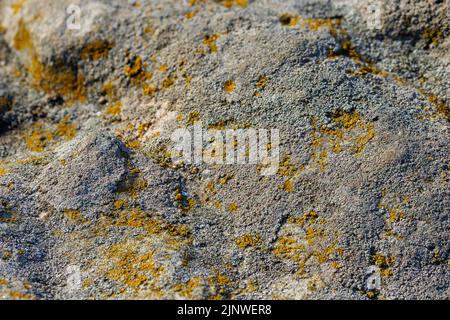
x,y
93,204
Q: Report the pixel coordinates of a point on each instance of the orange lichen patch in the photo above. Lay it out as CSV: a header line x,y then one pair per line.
x,y
114,109
231,3
131,268
3,171
348,49
15,295
384,263
110,91
367,69
288,248
288,186
135,69
168,82
334,26
64,82
17,6
229,86
348,131
315,24
210,41
120,204
192,3
434,36
189,15
184,202
66,129
187,79
38,138
163,68
188,289
247,241
287,169
161,155
260,85
214,287
87,283
149,29
156,227
74,215
304,238
59,79
395,215
309,217
289,20
225,179
193,117
232,207
133,134
137,218
134,217
96,50
136,184
22,39
33,160
312,234
262,82
150,89
441,108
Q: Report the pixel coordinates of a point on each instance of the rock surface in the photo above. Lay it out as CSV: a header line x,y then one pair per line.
x,y
92,207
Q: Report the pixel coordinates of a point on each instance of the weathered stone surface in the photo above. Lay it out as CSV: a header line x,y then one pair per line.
x,y
91,205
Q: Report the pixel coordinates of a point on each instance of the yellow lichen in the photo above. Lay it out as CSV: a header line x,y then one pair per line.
x,y
231,3
294,246
262,82
3,171
229,86
66,129
189,15
150,89
347,129
247,241
132,268
74,215
288,186
290,20
384,263
193,117
435,36
210,42
168,82
184,203
120,204
60,79
96,50
17,6
38,138
225,179
114,109
232,207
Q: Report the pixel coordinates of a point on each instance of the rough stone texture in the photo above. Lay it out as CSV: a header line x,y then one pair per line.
x,y
92,207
